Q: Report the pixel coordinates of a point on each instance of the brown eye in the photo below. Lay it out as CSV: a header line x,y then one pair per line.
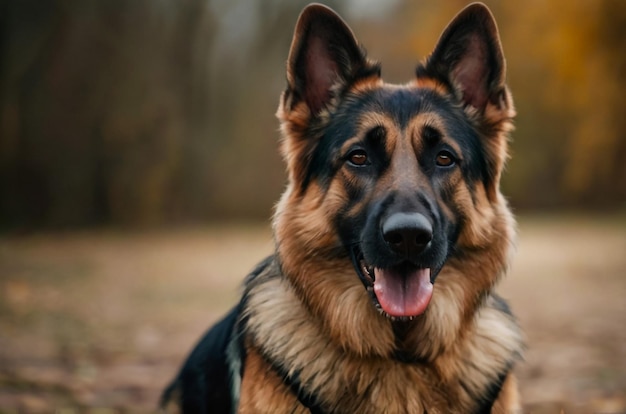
x,y
358,158
445,159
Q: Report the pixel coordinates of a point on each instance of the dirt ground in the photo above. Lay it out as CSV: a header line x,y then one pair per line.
x,y
100,321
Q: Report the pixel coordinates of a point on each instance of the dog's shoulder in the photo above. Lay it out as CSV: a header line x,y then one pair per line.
x,y
496,346
204,379
210,377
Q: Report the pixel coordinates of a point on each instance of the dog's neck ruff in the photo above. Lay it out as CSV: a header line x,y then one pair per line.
x,y
327,378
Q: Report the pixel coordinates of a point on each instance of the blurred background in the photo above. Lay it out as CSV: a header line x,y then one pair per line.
x,y
139,167
157,112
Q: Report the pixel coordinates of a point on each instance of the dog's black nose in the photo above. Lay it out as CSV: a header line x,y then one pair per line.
x,y
407,233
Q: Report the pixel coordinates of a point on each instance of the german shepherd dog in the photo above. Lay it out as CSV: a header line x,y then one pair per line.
x,y
390,238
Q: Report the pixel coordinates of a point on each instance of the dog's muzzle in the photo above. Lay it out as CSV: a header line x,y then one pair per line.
x,y
403,289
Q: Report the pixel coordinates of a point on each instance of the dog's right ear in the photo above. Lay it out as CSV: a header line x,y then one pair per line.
x,y
324,59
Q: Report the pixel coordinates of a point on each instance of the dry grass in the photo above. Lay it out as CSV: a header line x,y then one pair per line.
x,y
104,319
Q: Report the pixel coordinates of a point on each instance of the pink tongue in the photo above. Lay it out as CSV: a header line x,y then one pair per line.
x,y
403,293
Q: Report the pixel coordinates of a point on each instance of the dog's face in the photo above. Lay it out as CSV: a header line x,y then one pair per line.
x,y
395,181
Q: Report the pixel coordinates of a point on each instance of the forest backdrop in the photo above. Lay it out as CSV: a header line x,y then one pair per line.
x,y
157,112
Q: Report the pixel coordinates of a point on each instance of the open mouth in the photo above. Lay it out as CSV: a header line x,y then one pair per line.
x,y
400,292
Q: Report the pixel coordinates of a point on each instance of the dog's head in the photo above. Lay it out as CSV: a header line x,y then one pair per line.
x,y
391,184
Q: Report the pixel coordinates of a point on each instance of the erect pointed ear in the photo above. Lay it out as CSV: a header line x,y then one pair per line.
x,y
468,58
323,54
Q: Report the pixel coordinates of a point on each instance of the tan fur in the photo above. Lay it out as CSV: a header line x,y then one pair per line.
x,y
263,392
509,401
430,83
292,335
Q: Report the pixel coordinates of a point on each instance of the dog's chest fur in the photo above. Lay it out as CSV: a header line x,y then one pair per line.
x,y
282,331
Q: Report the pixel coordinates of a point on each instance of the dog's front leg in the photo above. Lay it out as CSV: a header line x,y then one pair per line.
x,y
508,401
262,390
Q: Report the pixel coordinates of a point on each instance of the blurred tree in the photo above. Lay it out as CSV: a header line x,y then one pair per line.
x,y
567,74
144,112
596,173
101,103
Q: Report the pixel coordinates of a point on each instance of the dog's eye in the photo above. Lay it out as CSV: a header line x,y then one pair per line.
x,y
445,159
358,157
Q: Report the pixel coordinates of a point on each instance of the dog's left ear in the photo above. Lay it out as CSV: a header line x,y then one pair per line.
x,y
468,58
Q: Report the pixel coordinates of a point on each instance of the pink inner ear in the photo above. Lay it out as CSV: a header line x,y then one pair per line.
x,y
321,73
471,73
